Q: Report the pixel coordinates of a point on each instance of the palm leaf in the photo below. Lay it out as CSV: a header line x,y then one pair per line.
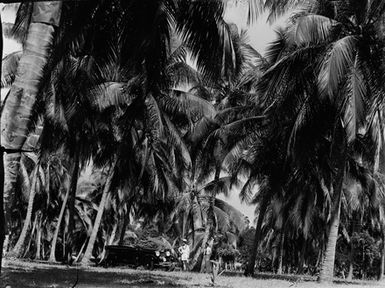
x,y
175,138
185,103
310,29
111,94
236,217
335,66
354,108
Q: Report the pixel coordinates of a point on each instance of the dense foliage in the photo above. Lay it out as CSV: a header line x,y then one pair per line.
x,y
114,137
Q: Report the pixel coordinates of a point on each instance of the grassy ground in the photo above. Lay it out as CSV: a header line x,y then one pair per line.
x,y
30,274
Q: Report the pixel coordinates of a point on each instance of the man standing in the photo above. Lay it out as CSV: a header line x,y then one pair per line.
x,y
207,255
184,250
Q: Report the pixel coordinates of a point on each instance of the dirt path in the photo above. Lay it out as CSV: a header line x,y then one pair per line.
x,y
31,274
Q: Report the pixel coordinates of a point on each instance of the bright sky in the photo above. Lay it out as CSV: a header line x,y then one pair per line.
x,y
260,34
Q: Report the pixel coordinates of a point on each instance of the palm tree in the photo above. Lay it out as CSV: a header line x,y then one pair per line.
x,y
18,250
106,190
204,50
24,91
63,181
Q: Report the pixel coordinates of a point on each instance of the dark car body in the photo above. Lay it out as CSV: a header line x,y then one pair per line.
x,y
136,256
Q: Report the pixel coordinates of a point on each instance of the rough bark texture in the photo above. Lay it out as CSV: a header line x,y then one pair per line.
x,y
327,268
22,95
2,219
52,255
98,221
18,250
249,271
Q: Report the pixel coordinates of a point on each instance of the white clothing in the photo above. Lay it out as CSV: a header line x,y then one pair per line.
x,y
185,252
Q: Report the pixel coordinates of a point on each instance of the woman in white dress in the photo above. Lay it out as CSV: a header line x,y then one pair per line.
x,y
184,250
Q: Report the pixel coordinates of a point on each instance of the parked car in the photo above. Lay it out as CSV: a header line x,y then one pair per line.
x,y
136,256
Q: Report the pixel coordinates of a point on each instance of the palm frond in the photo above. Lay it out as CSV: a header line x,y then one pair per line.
x,y
246,193
236,217
175,138
111,94
185,103
310,29
336,64
180,73
354,108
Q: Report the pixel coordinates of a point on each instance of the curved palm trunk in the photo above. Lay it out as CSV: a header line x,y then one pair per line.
x,y
249,271
111,241
31,237
38,237
12,166
52,255
208,231
98,221
301,262
22,96
280,257
71,205
17,251
209,224
327,267
382,263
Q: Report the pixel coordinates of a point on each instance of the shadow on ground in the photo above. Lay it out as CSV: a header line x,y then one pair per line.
x,y
58,278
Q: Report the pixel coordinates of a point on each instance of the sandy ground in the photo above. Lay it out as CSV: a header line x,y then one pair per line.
x,y
31,274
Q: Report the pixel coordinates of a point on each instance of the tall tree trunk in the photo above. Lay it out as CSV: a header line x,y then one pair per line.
x,y
18,250
184,224
52,255
98,220
249,271
382,263
327,268
111,240
38,237
301,262
126,218
280,256
355,227
81,250
3,228
351,267
27,248
18,107
209,219
71,205
11,171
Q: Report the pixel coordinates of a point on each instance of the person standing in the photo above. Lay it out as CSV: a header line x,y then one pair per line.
x,y
207,255
184,250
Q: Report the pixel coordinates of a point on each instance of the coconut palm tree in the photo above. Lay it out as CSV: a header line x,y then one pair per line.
x,y
202,49
343,62
23,93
